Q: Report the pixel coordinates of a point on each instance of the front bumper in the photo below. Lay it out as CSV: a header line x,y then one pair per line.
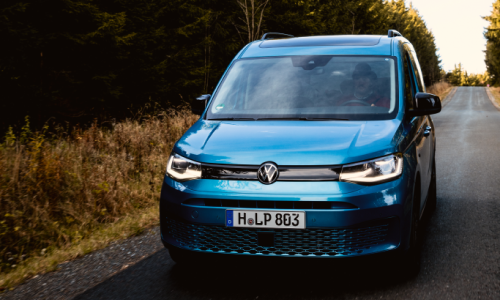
x,y
377,221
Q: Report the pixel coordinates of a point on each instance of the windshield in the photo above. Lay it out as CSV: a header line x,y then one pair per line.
x,y
308,87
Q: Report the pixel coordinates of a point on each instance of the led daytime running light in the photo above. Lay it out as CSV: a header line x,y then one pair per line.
x,y
373,171
182,169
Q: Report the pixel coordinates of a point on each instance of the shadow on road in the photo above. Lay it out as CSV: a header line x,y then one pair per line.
x,y
158,277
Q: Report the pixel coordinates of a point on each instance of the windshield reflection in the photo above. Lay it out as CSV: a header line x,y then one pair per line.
x,y
308,88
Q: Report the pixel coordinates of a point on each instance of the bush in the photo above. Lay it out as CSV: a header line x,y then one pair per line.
x,y
56,188
440,88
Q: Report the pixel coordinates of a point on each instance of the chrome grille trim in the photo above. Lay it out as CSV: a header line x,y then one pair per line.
x,y
269,204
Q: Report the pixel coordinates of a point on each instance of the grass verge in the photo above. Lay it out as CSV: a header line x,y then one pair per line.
x,y
495,91
441,89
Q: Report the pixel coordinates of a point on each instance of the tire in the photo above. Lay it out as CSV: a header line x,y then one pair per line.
x,y
432,198
410,266
180,256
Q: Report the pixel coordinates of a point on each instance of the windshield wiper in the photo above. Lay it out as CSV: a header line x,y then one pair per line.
x,y
326,119
287,119
282,119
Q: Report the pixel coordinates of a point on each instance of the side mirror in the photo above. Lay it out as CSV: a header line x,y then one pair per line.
x,y
198,107
425,104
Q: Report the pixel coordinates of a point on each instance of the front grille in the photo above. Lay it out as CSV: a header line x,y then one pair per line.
x,y
230,203
309,242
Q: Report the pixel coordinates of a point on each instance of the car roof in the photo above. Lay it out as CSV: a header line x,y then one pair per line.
x,y
321,45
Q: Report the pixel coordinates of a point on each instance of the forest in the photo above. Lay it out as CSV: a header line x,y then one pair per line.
x,y
71,61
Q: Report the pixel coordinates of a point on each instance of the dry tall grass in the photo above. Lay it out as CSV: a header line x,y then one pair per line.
x,y
55,190
495,91
440,89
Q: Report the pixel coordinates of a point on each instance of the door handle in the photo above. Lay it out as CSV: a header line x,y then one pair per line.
x,y
427,131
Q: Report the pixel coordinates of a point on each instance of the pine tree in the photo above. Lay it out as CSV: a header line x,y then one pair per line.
x,y
492,36
79,59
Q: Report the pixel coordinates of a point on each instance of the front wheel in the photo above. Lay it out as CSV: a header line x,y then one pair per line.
x,y
180,256
432,198
410,264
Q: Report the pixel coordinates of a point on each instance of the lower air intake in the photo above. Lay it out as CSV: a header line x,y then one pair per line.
x,y
308,242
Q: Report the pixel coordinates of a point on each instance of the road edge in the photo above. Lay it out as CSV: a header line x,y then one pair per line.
x,y
448,97
79,275
122,230
492,98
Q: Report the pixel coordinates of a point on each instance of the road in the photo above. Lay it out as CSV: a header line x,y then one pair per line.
x,y
461,248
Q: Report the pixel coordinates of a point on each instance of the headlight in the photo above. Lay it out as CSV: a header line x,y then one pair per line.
x,y
373,171
183,169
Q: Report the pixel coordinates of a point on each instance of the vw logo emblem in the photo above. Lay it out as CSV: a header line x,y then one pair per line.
x,y
268,173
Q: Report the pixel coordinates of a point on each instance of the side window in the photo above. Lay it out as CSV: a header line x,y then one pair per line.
x,y
417,71
409,87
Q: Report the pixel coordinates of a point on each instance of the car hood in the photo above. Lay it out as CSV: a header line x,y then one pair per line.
x,y
289,142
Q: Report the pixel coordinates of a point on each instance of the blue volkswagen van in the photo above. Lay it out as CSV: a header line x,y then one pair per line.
x,y
319,147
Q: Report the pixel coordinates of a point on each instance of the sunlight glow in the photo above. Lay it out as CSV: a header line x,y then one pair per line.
x,y
458,28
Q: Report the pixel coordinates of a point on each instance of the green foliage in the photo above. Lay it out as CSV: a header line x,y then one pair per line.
x,y
492,36
459,77
409,22
10,137
25,131
74,60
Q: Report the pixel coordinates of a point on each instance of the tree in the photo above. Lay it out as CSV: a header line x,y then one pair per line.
x,y
253,11
112,57
408,21
492,35
460,77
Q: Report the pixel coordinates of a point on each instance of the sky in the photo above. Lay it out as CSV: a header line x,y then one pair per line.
x,y
458,28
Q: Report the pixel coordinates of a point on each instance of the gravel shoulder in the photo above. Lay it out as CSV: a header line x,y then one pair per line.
x,y
77,276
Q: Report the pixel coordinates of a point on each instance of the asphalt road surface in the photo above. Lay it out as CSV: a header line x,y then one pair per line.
x,y
461,249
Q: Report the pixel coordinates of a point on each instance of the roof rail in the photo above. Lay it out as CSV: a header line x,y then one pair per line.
x,y
275,33
394,33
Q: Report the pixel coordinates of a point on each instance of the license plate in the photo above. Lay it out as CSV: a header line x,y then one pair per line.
x,y
266,219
